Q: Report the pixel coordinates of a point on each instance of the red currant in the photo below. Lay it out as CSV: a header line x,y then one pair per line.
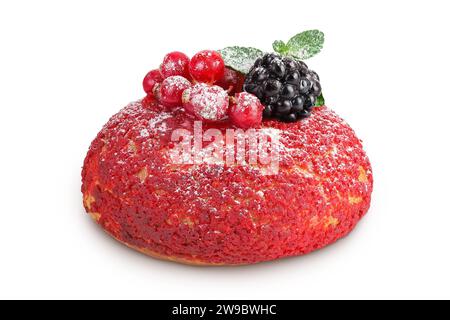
x,y
151,79
247,112
232,81
207,66
175,64
170,92
206,102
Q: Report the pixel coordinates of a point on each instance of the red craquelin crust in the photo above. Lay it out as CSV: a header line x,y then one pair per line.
x,y
215,215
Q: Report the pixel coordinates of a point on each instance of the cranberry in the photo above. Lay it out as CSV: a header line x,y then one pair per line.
x,y
247,111
151,79
207,66
206,102
170,92
175,64
232,81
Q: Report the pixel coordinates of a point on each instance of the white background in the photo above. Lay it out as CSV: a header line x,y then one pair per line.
x,y
67,66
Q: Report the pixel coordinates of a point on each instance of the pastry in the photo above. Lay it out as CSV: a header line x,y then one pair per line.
x,y
227,162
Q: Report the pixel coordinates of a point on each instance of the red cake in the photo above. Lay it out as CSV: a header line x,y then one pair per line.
x,y
211,215
212,212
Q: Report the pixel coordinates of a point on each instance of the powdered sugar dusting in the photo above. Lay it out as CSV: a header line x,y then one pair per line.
x,y
210,103
175,63
232,214
178,82
246,100
144,133
172,66
157,124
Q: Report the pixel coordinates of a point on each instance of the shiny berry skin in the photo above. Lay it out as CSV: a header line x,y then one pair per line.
x,y
286,87
268,111
207,66
170,92
232,81
290,117
206,102
247,112
175,64
151,79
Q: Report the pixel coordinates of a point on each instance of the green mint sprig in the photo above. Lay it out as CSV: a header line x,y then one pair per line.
x,y
301,46
240,58
320,101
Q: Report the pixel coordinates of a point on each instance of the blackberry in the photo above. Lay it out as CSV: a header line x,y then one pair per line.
x,y
286,87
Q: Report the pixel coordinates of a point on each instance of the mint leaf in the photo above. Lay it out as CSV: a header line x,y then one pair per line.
x,y
240,58
280,47
320,101
306,44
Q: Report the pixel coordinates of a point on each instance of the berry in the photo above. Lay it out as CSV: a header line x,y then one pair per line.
x,y
206,102
170,91
286,87
232,81
151,79
247,112
207,66
175,64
